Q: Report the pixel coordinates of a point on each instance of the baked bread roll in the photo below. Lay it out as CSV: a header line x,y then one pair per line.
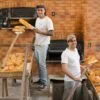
x,y
15,63
19,29
91,59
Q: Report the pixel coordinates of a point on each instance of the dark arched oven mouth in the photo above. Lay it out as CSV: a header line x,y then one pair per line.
x,y
9,16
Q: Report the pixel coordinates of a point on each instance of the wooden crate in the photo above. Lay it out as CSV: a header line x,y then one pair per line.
x,y
24,75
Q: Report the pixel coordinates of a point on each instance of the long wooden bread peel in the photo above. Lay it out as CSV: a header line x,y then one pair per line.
x,y
26,24
18,31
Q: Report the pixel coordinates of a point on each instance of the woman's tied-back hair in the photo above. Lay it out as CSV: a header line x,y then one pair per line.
x,y
41,6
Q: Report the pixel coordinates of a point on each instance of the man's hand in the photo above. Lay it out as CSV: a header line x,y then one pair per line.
x,y
78,79
47,33
83,67
36,30
89,65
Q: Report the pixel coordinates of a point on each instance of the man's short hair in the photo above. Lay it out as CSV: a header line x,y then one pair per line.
x,y
70,37
41,6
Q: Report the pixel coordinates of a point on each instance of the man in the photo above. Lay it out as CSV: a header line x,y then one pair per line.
x,y
43,30
70,60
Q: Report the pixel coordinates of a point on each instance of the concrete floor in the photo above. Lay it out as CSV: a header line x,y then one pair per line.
x,y
14,92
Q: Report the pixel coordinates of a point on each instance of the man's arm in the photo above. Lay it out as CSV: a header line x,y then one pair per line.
x,y
48,33
83,67
69,74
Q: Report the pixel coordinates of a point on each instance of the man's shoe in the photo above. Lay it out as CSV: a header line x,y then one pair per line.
x,y
38,82
42,87
35,84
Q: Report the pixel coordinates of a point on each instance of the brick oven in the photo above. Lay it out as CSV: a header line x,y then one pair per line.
x,y
81,17
69,16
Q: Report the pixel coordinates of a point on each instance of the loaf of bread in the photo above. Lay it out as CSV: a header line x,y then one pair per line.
x,y
93,76
97,89
91,59
15,63
25,23
19,29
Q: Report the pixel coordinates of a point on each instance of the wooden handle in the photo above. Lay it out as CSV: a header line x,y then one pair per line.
x,y
25,23
9,50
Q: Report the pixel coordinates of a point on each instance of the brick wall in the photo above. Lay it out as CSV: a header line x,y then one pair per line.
x,y
91,27
78,16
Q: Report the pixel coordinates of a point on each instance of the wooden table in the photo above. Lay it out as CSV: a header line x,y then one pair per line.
x,y
24,75
4,76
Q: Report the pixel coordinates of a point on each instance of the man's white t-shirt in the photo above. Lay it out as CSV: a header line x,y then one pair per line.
x,y
45,24
71,58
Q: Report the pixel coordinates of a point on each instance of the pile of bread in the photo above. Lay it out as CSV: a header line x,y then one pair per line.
x,y
94,76
97,89
93,72
91,59
19,29
14,63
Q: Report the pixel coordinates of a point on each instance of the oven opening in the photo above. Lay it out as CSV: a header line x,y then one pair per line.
x,y
56,47
9,17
